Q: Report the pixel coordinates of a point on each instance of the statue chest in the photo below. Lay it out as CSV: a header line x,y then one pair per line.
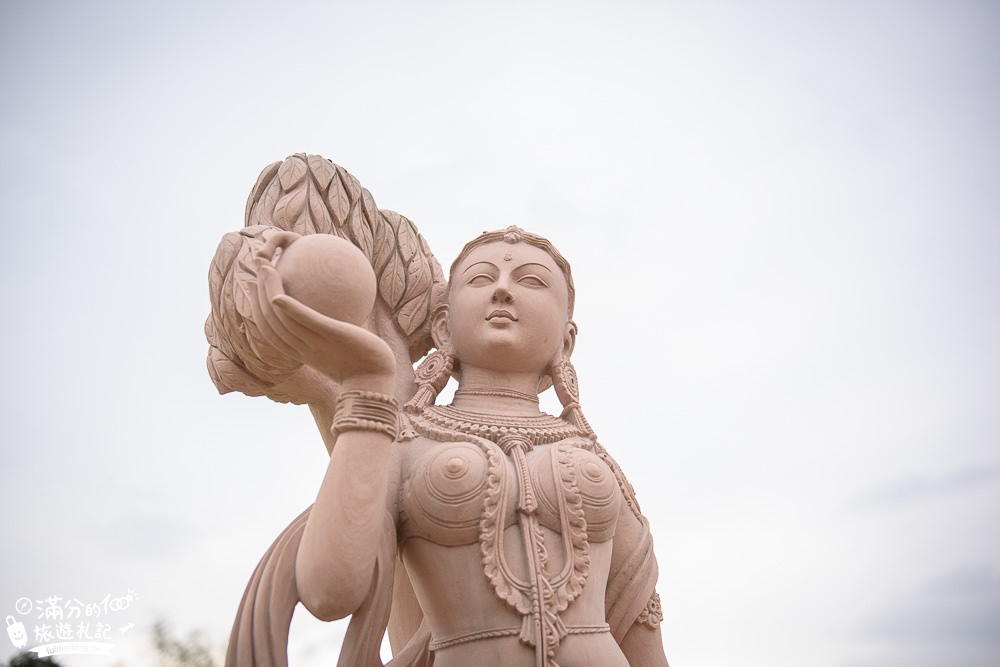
x,y
457,492
534,511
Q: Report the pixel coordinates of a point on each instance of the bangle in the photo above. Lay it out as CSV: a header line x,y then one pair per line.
x,y
366,411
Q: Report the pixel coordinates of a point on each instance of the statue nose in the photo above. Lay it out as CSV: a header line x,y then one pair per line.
x,y
502,294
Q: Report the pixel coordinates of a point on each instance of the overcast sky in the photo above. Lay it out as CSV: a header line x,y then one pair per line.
x,y
784,223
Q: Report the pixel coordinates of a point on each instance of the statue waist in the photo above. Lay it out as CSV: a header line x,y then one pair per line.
x,y
495,633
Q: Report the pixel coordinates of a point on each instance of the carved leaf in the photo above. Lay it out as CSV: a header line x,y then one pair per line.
x,y
243,292
228,321
418,277
384,239
321,221
261,211
223,259
339,199
264,358
359,229
303,223
291,171
408,246
351,184
258,189
373,218
210,332
229,376
413,313
391,284
368,205
217,337
288,209
322,170
223,319
437,276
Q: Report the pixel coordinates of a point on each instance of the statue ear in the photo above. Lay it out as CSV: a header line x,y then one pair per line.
x,y
569,339
569,342
440,332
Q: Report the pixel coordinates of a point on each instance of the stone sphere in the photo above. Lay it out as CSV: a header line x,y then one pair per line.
x,y
330,275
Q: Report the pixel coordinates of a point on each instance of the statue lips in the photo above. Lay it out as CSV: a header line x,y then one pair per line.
x,y
504,317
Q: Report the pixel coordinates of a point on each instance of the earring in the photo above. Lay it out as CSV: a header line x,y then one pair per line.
x,y
566,384
431,376
568,391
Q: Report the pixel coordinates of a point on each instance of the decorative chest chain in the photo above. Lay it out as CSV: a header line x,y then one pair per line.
x,y
542,595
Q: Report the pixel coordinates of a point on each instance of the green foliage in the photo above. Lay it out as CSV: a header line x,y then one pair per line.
x,y
190,652
30,660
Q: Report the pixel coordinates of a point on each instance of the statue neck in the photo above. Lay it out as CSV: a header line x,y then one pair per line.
x,y
490,392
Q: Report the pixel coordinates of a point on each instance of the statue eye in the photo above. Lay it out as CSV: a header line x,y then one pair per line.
x,y
531,280
479,280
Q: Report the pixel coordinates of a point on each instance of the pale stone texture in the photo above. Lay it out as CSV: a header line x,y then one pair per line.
x,y
483,532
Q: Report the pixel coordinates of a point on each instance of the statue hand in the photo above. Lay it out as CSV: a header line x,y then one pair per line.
x,y
342,351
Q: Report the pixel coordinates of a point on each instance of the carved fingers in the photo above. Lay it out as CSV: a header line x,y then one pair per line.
x,y
274,241
338,349
262,290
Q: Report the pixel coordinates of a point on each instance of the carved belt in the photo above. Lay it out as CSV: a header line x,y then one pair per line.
x,y
447,642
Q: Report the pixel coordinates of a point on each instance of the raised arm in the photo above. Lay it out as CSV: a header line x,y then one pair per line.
x,y
307,194
340,541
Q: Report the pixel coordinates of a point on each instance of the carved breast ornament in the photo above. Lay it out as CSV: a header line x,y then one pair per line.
x,y
444,496
487,477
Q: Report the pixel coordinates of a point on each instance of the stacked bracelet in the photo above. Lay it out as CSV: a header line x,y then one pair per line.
x,y
366,411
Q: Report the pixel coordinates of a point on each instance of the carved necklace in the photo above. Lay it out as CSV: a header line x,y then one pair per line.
x,y
442,422
504,393
542,595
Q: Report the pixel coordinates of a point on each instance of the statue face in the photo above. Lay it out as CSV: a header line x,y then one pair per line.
x,y
508,308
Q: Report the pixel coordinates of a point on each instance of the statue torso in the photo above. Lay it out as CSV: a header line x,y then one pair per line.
x,y
510,544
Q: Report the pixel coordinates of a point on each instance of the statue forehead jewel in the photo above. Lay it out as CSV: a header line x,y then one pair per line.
x,y
514,235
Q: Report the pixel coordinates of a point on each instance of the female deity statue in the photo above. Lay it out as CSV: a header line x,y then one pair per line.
x,y
480,532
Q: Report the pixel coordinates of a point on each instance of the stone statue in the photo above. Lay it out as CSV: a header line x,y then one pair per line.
x,y
481,532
